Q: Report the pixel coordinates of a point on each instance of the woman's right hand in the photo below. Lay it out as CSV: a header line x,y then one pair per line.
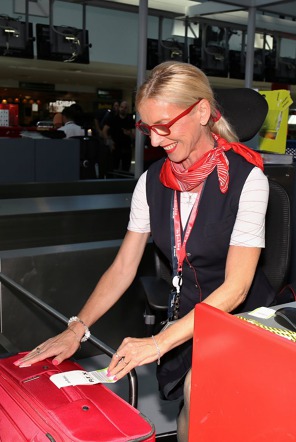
x,y
59,347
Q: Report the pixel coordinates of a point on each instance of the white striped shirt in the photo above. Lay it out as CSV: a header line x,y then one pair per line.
x,y
249,227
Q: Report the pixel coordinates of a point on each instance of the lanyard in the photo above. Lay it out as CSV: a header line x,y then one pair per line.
x,y
178,247
179,241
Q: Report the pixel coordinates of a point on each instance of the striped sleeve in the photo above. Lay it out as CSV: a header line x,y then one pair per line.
x,y
249,228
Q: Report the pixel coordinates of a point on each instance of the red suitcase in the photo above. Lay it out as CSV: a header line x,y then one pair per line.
x,y
33,409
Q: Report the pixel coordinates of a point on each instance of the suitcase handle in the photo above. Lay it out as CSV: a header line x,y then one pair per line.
x,y
132,376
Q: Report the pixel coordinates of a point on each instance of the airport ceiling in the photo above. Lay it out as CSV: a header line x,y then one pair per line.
x,y
182,7
103,75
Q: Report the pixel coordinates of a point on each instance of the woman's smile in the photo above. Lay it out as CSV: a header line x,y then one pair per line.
x,y
170,148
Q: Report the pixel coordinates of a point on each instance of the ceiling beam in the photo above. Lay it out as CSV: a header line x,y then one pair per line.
x,y
124,7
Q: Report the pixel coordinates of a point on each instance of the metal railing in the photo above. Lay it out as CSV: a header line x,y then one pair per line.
x,y
132,376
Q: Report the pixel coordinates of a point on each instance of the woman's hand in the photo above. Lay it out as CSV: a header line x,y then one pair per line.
x,y
132,353
60,347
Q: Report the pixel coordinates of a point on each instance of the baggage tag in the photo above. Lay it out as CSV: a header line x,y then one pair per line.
x,y
81,377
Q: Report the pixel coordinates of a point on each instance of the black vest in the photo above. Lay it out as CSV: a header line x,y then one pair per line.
x,y
209,240
206,249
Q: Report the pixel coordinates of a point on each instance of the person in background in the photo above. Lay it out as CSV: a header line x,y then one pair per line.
x,y
204,206
120,129
57,120
78,114
70,128
101,115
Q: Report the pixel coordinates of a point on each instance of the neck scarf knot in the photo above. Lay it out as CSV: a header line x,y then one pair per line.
x,y
174,176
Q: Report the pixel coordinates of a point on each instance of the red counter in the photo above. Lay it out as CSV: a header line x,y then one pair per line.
x,y
243,381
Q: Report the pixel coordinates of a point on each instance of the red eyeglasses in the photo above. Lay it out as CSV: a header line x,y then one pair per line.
x,y
163,129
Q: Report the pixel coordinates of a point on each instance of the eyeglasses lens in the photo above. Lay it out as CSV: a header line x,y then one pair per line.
x,y
144,129
161,130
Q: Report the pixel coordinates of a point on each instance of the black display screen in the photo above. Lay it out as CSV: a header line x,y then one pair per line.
x,y
16,38
62,43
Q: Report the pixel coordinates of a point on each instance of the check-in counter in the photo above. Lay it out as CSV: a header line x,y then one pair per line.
x,y
45,221
243,379
25,160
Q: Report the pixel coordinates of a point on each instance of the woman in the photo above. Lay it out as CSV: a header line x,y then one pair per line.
x,y
205,207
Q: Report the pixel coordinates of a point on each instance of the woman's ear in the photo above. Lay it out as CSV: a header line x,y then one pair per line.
x,y
205,112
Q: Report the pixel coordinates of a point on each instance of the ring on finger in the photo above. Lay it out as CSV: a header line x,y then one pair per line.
x,y
38,350
116,355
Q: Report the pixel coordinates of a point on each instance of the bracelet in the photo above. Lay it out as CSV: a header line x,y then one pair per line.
x,y
86,329
157,348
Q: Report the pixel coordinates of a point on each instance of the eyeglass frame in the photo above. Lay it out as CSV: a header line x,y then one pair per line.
x,y
153,127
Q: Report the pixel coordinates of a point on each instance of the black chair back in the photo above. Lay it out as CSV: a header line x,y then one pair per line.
x,y
275,257
244,108
162,266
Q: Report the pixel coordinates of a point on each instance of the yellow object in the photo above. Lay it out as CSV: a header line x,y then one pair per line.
x,y
278,331
273,133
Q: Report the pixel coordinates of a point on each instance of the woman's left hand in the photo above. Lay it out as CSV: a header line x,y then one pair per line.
x,y
132,353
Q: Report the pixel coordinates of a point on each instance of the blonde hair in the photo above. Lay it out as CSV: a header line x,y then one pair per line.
x,y
183,84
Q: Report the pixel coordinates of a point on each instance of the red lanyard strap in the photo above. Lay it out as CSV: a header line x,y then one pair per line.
x,y
179,246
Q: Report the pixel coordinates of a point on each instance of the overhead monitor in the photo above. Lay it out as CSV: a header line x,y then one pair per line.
x,y
210,51
62,43
16,38
237,45
163,50
280,64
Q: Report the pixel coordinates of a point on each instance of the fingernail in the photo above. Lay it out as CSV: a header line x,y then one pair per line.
x,y
24,365
108,373
55,362
115,378
17,363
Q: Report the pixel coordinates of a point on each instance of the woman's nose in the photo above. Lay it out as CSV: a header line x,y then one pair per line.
x,y
155,139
